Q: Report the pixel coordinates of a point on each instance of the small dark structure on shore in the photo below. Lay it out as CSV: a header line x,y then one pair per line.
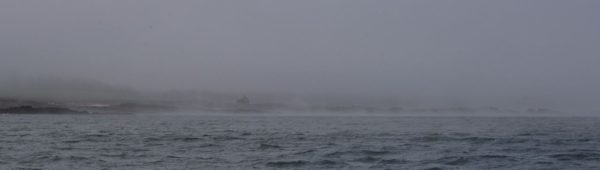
x,y
243,101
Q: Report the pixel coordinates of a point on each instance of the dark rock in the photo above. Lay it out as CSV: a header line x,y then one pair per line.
x,y
39,110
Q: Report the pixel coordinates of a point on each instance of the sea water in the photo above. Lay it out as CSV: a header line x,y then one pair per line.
x,y
260,141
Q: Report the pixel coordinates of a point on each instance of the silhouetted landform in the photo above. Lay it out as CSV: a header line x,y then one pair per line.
x,y
9,102
238,105
54,94
122,108
39,110
22,106
138,107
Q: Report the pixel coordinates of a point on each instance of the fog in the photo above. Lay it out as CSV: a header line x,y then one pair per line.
x,y
537,52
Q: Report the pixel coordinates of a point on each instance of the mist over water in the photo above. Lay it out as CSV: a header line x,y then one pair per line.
x,y
267,84
444,52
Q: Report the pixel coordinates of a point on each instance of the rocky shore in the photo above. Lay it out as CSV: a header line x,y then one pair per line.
x,y
17,106
39,110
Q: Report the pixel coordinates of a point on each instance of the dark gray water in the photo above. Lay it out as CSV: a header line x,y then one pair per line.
x,y
297,142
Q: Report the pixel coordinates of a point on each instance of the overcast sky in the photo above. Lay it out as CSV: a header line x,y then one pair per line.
x,y
476,48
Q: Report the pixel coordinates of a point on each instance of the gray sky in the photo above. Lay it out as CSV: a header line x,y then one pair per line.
x,y
464,48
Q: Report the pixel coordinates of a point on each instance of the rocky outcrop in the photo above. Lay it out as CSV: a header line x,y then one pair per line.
x,y
39,110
